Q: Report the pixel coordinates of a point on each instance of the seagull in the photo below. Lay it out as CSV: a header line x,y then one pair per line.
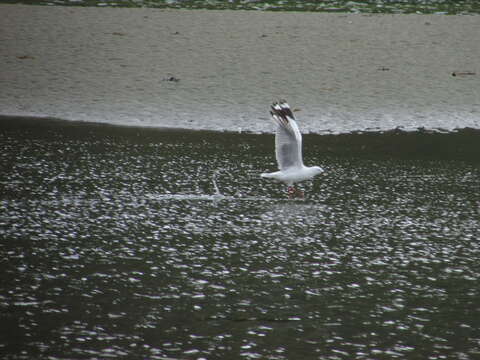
x,y
288,150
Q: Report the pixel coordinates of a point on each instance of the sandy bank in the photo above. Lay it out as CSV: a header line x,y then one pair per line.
x,y
344,71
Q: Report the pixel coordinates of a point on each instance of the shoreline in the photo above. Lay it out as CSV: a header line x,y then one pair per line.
x,y
49,121
461,144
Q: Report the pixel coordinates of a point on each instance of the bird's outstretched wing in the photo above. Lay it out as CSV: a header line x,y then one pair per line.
x,y
288,139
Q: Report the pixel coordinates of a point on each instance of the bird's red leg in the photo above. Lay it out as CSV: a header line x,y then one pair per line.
x,y
295,193
291,192
299,194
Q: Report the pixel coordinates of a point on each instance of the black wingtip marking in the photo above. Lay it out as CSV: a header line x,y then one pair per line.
x,y
282,110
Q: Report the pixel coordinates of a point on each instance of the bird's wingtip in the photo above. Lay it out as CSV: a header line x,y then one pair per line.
x,y
282,110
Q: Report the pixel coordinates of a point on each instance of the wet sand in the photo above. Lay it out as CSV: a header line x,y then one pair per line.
x,y
343,71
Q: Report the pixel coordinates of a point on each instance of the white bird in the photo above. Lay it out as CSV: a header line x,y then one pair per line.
x,y
288,150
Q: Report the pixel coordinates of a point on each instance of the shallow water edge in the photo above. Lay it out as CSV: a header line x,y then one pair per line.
x,y
460,144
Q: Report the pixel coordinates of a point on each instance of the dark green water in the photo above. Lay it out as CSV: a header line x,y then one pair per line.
x,y
113,244
361,6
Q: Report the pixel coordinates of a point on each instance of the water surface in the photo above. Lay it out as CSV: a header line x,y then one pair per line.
x,y
116,244
362,6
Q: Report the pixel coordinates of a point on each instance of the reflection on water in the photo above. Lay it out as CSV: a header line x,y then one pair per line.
x,y
116,244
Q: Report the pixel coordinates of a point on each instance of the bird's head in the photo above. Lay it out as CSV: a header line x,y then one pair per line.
x,y
317,170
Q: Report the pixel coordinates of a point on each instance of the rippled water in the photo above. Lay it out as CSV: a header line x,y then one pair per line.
x,y
115,244
361,6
